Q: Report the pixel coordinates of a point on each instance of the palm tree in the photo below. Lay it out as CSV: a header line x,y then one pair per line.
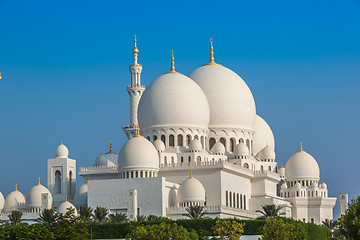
x,y
100,214
269,211
141,218
331,225
86,213
15,217
118,217
156,218
48,216
195,211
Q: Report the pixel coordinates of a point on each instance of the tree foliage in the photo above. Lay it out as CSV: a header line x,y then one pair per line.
x,y
100,214
349,224
15,217
118,217
48,216
86,213
228,229
269,211
195,212
331,225
277,229
163,231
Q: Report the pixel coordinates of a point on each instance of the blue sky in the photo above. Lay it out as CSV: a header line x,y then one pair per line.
x,y
65,70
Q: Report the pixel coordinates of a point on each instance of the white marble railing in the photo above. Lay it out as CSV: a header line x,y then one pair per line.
x,y
99,169
211,207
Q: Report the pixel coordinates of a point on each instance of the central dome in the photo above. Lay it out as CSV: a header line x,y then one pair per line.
x,y
173,100
231,102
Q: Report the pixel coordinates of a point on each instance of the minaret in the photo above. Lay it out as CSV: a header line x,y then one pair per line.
x,y
135,91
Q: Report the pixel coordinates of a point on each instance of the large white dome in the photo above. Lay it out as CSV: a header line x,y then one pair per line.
x,y
263,136
191,190
14,200
173,100
34,197
2,201
138,153
302,166
231,101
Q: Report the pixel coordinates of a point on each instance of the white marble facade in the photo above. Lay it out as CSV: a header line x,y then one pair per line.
x,y
193,139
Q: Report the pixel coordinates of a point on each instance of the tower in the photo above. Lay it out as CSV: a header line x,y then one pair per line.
x,y
61,176
344,202
135,91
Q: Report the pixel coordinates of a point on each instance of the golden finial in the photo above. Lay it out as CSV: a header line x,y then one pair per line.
x,y
191,174
38,181
135,50
111,150
172,63
15,187
301,148
137,131
61,143
66,198
212,61
0,75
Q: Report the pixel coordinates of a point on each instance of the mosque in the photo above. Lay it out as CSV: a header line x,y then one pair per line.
x,y
193,139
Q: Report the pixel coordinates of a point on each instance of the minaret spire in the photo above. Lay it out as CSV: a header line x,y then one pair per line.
x,y
172,69
212,60
135,50
111,149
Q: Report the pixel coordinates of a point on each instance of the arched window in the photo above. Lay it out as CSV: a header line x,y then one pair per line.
x,y
137,174
57,182
237,202
248,143
241,140
234,200
154,138
132,174
127,174
212,141
182,159
246,165
180,140
261,167
188,138
141,174
241,201
171,140
189,159
163,139
244,202
198,159
222,140
70,183
226,196
269,168
312,220
202,142
232,143
165,160
172,160
230,197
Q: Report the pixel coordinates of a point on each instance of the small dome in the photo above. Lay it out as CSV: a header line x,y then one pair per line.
x,y
266,153
14,200
195,145
35,196
2,201
62,208
282,171
138,153
191,190
284,186
302,166
323,186
159,145
81,195
62,151
173,99
113,157
103,161
263,136
231,102
241,149
218,148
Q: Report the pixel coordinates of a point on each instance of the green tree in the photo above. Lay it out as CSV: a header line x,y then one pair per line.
x,y
156,218
269,211
86,213
48,216
228,229
163,231
15,217
277,229
349,224
331,225
100,214
118,217
141,218
195,212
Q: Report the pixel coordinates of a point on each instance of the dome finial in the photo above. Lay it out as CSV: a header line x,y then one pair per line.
x,y
135,49
38,181
15,187
172,62
61,143
66,198
0,75
212,60
111,150
191,174
301,148
137,131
